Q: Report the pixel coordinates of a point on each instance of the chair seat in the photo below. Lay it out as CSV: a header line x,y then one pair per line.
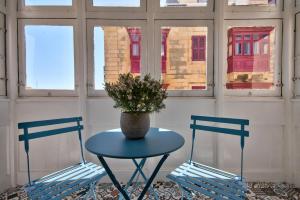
x,y
64,182
209,181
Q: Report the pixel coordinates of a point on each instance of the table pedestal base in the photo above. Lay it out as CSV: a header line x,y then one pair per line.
x,y
139,167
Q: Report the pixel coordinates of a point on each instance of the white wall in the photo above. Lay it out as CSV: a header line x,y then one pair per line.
x,y
296,110
263,153
4,145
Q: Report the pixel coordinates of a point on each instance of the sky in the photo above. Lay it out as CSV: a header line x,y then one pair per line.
x,y
49,57
99,58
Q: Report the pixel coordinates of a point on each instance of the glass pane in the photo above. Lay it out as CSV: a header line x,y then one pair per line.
x,y
117,3
238,49
256,48
179,72
250,2
230,50
183,3
135,50
48,2
112,54
246,48
49,57
245,71
238,37
265,48
247,37
162,50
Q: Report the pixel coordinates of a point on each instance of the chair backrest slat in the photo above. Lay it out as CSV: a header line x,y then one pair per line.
x,y
47,133
221,120
220,130
217,129
33,124
27,136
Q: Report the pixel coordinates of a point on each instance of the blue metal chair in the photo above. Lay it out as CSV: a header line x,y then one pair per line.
x,y
58,185
214,183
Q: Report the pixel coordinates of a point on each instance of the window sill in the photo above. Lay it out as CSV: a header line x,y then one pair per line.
x,y
47,99
4,99
253,99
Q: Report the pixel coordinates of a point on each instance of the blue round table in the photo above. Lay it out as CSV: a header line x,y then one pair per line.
x,y
113,144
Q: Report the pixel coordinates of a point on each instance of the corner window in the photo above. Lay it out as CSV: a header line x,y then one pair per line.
x,y
254,68
47,53
115,49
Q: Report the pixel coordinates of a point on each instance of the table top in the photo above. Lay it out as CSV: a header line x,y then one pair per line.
x,y
113,144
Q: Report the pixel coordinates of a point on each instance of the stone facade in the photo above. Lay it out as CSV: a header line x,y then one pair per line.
x,y
117,52
181,71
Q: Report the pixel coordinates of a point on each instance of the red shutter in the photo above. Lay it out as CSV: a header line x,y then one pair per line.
x,y
202,48
135,49
198,48
164,36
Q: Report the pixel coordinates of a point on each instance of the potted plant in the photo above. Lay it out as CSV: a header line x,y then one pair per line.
x,y
136,97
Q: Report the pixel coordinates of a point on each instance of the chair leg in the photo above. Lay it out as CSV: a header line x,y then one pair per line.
x,y
91,192
185,193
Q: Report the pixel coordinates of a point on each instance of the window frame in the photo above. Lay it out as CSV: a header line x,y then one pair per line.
x,y
256,8
3,71
91,23
22,58
209,92
277,92
107,9
51,10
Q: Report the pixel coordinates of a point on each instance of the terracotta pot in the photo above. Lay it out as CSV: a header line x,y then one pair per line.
x,y
135,125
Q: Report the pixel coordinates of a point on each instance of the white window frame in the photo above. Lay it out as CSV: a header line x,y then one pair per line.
x,y
47,11
165,12
277,62
209,51
3,77
297,56
22,58
91,23
255,8
106,9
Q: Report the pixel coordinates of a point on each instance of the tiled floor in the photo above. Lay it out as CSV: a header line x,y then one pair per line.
x,y
169,191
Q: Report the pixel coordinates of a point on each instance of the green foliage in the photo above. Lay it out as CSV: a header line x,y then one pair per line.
x,y
134,94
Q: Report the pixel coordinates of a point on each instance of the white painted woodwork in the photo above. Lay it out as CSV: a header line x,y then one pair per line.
x,y
270,142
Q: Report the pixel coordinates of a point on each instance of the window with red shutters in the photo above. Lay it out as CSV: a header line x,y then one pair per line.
x,y
135,49
199,48
164,35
